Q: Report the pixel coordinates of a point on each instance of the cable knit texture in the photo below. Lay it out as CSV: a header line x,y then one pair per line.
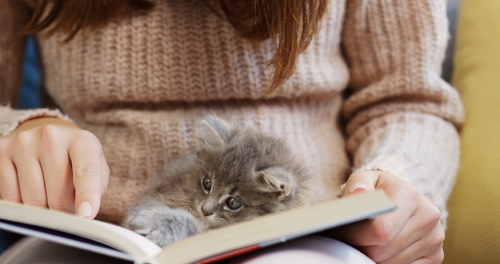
x,y
142,83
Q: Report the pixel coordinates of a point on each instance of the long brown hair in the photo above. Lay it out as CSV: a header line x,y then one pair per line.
x,y
291,22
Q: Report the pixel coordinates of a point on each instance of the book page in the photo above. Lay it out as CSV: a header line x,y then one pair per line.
x,y
112,236
64,238
277,228
263,231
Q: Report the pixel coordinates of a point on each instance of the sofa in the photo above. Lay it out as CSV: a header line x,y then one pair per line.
x,y
472,235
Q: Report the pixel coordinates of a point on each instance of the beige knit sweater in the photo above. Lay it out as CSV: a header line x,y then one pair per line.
x,y
142,84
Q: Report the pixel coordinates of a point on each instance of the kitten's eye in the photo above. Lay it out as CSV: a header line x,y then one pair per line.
x,y
207,184
233,203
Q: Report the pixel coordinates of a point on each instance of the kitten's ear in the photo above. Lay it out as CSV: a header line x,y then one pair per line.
x,y
219,132
271,183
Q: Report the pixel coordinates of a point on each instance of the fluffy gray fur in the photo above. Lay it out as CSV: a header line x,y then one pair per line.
x,y
237,174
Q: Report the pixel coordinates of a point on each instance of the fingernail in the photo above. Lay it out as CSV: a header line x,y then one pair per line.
x,y
357,186
84,210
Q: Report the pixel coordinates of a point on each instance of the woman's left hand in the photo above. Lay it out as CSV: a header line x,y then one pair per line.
x,y
410,234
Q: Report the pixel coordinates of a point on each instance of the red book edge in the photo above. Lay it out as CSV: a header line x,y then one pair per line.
x,y
228,254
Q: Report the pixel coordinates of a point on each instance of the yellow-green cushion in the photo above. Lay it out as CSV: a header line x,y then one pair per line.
x,y
473,234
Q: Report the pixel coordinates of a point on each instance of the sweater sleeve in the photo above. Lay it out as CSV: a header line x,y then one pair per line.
x,y
401,117
14,15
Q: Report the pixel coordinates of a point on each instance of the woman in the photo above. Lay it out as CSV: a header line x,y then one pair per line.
x,y
134,77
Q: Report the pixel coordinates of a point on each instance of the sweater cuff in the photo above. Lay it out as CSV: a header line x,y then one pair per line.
x,y
421,149
393,164
412,146
10,118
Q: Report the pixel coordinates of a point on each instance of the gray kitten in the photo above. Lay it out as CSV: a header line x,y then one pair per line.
x,y
237,174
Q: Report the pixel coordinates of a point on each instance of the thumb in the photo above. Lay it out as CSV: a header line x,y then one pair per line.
x,y
361,181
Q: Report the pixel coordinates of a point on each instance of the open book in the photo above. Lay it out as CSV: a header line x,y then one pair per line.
x,y
206,247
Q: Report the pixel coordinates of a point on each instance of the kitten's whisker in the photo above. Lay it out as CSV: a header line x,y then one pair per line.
x,y
183,201
220,222
202,162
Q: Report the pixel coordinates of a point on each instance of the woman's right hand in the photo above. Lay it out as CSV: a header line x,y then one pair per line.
x,y
52,163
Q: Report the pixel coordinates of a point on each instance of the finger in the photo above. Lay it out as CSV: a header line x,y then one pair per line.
x,y
428,248
360,182
31,181
56,169
85,154
9,185
435,257
385,228
105,174
420,225
29,172
376,232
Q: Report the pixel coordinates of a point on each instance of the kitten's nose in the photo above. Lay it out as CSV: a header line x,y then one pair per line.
x,y
205,213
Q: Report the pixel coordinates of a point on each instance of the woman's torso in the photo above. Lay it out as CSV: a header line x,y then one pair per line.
x,y
142,84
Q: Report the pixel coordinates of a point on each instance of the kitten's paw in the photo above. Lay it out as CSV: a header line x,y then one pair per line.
x,y
141,221
163,225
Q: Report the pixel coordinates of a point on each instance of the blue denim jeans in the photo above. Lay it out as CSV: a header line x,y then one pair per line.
x,y
7,239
